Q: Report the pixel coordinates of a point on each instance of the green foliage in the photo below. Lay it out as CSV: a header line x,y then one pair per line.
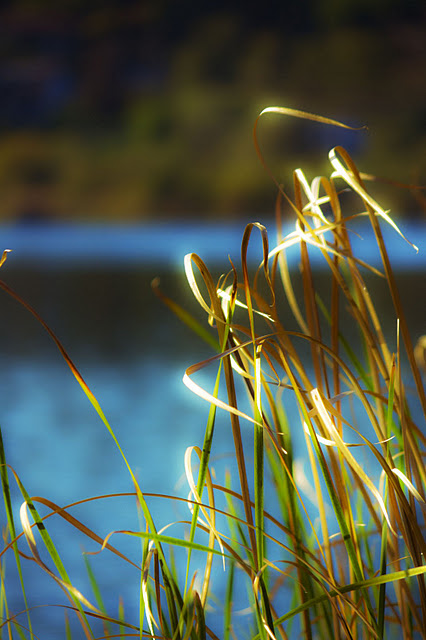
x,y
337,551
142,111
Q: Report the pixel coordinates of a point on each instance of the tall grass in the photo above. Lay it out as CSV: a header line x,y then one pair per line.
x,y
319,527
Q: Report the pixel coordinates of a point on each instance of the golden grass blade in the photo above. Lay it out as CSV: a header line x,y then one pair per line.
x,y
284,270
296,113
188,260
351,180
420,353
205,395
330,428
356,586
4,256
210,519
109,619
226,296
204,469
411,488
202,393
330,443
226,309
146,600
372,209
304,115
63,513
216,312
297,236
67,586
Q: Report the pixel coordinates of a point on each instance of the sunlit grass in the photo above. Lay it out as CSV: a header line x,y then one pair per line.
x,y
318,530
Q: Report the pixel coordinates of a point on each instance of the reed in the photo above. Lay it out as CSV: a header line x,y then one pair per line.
x,y
318,524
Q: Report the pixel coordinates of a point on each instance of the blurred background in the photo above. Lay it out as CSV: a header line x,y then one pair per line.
x,y
125,110
126,142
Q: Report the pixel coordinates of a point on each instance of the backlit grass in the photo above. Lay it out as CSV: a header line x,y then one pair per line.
x,y
316,529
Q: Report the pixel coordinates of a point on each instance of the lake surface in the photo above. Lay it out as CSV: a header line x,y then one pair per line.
x,y
92,286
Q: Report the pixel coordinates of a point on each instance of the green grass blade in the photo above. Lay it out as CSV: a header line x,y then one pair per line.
x,y
187,318
11,524
97,593
68,634
356,586
175,542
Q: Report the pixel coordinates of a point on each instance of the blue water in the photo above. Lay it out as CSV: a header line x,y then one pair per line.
x,y
165,243
92,286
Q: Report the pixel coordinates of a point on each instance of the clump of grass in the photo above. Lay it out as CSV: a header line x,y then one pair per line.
x,y
334,552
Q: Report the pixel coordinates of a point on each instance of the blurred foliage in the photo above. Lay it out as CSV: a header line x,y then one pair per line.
x,y
134,109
